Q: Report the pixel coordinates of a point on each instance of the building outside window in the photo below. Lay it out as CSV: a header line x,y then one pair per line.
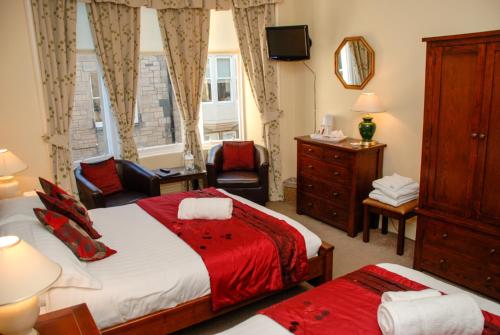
x,y
221,110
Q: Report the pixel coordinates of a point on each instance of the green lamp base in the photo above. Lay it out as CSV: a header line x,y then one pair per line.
x,y
366,129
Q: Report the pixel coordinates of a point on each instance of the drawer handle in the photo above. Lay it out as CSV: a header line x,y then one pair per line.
x,y
442,261
336,194
309,150
445,236
488,279
334,214
336,173
310,166
309,204
492,251
309,185
336,156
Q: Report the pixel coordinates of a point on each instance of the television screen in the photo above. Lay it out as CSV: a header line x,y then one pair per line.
x,y
288,42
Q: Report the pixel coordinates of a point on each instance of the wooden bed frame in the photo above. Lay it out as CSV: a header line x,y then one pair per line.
x,y
169,320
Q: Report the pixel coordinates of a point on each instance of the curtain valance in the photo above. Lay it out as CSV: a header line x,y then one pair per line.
x,y
179,4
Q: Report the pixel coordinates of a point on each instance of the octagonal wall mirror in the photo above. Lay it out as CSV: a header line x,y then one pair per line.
x,y
354,62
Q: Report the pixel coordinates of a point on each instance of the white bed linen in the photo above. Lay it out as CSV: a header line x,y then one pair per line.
x,y
262,325
152,270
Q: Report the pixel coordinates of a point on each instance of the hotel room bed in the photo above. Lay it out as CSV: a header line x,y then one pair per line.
x,y
152,272
264,325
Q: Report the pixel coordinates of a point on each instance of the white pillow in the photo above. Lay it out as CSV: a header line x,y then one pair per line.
x,y
73,273
18,208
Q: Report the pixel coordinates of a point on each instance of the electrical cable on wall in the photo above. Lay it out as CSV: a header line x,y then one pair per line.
x,y
314,95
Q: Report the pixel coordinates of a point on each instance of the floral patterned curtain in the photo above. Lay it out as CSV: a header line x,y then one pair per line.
x,y
185,41
55,29
116,32
250,26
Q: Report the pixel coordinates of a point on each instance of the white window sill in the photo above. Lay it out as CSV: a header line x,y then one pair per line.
x,y
161,150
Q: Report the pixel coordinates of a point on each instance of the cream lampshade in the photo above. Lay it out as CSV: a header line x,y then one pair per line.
x,y
10,164
25,273
368,103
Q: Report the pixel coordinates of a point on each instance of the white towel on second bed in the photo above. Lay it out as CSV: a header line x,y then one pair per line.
x,y
456,314
205,208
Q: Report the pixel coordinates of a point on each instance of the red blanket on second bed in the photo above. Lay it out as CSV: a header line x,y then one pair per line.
x,y
251,254
348,305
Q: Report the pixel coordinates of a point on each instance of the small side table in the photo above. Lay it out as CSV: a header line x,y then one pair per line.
x,y
193,176
75,320
401,213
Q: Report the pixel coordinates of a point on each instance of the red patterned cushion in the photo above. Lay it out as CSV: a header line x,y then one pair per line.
x,y
80,243
103,175
55,191
237,155
65,208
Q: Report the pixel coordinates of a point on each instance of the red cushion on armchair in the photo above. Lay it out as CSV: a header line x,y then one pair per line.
x,y
103,175
238,155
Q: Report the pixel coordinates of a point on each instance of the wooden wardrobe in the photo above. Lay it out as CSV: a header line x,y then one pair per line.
x,y
458,234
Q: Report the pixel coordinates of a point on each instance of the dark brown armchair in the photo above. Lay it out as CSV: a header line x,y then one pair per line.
x,y
252,185
138,183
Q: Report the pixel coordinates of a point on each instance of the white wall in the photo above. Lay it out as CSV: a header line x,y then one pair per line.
x,y
394,29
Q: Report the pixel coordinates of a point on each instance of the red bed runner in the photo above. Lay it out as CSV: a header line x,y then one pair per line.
x,y
251,254
348,305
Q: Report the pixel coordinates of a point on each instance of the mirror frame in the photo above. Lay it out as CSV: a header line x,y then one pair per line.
x,y
372,62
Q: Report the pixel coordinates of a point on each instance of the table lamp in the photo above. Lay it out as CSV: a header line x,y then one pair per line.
x,y
10,164
367,103
25,273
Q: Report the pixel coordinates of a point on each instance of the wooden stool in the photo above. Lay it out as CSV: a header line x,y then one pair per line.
x,y
401,213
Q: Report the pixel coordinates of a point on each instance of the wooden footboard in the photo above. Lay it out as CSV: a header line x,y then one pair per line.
x,y
195,311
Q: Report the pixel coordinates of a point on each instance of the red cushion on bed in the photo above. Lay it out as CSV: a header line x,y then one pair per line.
x,y
67,208
103,175
237,155
80,243
55,191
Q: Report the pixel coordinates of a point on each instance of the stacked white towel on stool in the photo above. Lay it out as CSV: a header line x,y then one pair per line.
x,y
454,314
205,208
394,190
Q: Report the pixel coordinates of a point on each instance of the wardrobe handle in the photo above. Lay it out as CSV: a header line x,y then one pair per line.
x,y
488,279
309,204
442,261
482,136
309,185
336,194
492,251
336,173
474,135
445,236
310,166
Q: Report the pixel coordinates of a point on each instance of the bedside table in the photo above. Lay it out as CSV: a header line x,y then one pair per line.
x,y
75,320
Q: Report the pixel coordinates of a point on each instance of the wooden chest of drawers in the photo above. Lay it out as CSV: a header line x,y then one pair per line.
x,y
333,179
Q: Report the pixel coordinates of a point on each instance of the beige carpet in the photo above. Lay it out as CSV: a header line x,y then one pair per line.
x,y
349,255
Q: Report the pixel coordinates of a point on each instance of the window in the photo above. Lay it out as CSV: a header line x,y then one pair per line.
x,y
221,119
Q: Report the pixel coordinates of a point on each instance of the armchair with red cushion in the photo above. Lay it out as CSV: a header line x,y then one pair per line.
x,y
113,182
241,168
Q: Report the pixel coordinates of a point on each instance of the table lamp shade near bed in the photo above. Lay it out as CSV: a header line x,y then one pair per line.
x,y
25,273
367,103
10,164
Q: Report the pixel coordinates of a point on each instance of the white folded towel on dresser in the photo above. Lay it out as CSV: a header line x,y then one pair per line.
x,y
394,182
409,295
454,314
378,195
205,208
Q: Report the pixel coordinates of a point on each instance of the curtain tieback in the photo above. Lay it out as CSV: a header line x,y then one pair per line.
x,y
58,140
191,125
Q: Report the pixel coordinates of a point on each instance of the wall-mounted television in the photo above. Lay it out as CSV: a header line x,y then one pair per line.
x,y
288,43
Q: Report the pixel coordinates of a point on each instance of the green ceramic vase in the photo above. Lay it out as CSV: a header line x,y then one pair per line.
x,y
367,128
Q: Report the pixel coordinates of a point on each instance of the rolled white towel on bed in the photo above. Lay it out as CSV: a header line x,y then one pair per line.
x,y
409,295
456,314
205,208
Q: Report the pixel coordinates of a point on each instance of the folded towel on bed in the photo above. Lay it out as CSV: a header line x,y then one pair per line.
x,y
456,314
409,295
396,195
205,208
378,195
394,182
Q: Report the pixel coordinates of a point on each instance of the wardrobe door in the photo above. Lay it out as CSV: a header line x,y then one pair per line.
x,y
455,92
488,184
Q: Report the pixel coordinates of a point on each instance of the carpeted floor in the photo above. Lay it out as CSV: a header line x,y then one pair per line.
x,y
349,255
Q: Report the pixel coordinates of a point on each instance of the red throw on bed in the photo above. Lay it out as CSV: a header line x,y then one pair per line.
x,y
348,305
251,254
